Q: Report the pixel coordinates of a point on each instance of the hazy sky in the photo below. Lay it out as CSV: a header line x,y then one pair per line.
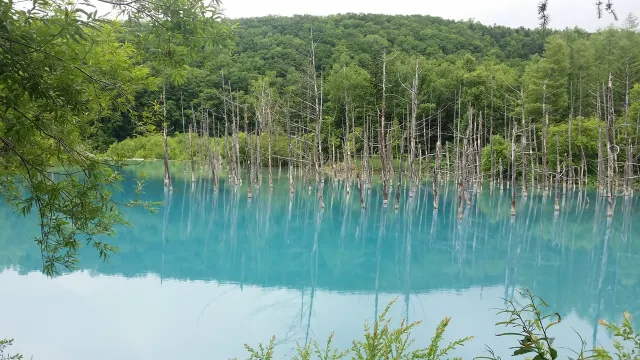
x,y
514,13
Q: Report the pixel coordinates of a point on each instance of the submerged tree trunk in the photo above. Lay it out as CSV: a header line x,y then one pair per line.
x,y
191,159
184,134
247,144
601,176
290,159
168,183
399,185
513,170
569,176
545,169
360,190
436,174
523,141
212,162
628,176
501,178
412,134
557,184
365,152
382,135
269,125
317,148
610,147
347,144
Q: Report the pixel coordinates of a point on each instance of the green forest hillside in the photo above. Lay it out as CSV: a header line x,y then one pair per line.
x,y
461,65
278,48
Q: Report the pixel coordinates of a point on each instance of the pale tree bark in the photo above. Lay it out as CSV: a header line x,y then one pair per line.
x,y
601,175
545,169
628,177
347,145
569,175
382,134
513,170
317,92
557,184
290,159
523,143
611,149
412,133
191,159
168,183
247,144
184,134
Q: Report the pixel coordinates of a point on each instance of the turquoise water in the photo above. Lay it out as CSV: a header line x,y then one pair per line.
x,y
210,272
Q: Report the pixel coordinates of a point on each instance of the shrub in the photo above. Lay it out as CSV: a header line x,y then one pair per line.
x,y
381,341
4,344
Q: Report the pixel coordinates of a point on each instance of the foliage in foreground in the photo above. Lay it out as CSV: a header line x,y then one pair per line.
x,y
529,323
381,341
4,344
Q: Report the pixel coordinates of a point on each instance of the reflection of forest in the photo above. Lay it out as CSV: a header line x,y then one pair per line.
x,y
575,261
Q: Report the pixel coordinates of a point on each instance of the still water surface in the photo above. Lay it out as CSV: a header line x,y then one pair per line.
x,y
210,272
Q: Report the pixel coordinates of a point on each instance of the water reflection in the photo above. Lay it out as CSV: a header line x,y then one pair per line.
x,y
214,270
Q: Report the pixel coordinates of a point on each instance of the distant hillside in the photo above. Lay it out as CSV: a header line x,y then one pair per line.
x,y
276,42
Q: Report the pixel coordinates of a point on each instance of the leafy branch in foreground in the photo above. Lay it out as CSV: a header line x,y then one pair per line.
x,y
3,346
531,324
62,70
626,341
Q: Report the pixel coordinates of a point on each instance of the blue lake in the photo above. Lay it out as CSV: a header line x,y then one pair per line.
x,y
210,272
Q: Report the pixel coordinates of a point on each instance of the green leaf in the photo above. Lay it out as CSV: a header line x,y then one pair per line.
x,y
522,351
554,353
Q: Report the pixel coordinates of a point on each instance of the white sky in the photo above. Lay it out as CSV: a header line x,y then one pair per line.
x,y
513,13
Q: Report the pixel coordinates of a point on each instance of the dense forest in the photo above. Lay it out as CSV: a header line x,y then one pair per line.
x,y
401,98
348,49
560,100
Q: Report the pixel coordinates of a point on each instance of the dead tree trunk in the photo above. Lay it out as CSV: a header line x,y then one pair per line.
x,y
610,146
212,162
247,144
601,176
493,158
399,185
513,170
557,184
382,135
569,176
347,145
523,143
365,151
191,159
269,120
545,169
184,134
290,159
436,173
317,92
628,176
168,184
360,190
236,148
412,133
500,178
